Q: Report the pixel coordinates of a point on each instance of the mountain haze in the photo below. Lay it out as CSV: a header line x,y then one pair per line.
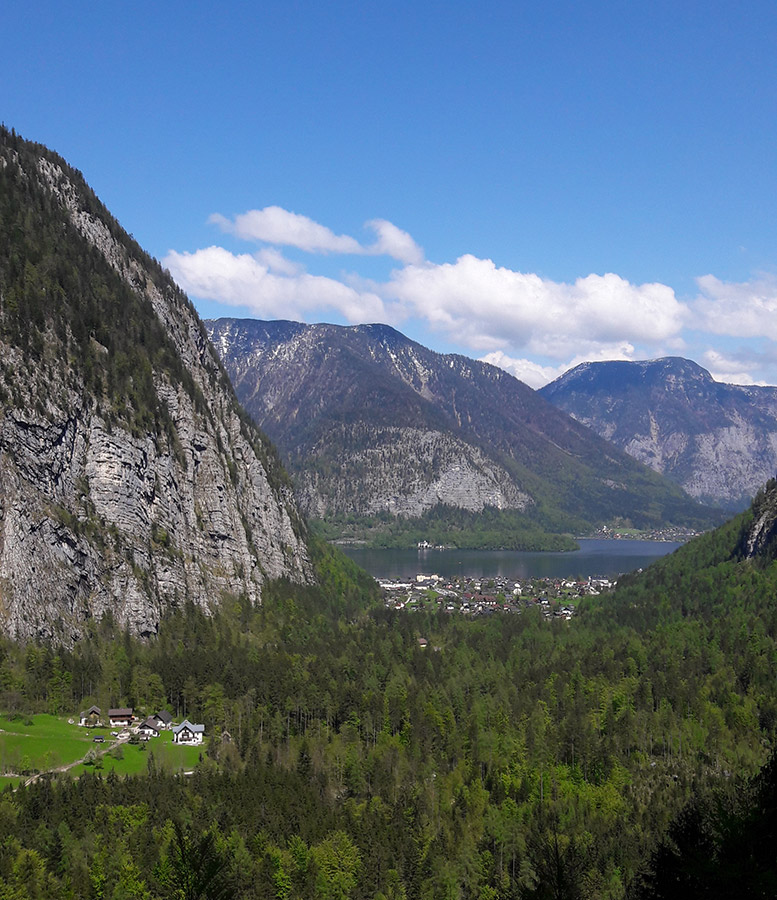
x,y
372,423
130,479
718,441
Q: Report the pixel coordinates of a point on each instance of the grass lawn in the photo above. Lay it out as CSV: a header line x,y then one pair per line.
x,y
51,741
134,758
10,781
48,742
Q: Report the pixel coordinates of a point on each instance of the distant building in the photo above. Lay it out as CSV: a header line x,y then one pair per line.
x,y
90,717
121,716
188,733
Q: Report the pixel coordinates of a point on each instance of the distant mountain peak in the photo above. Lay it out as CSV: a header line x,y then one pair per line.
x,y
719,441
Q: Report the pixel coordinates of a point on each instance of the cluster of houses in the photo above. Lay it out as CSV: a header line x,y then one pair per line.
x,y
125,718
555,597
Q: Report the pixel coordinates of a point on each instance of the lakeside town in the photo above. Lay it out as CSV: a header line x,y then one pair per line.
x,y
472,596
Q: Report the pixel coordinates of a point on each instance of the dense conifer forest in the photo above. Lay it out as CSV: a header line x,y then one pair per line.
x,y
626,753
615,755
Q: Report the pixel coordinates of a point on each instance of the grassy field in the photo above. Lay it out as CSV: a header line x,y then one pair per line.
x,y
45,743
42,742
133,758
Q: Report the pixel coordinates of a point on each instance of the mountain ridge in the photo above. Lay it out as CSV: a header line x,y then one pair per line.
x,y
357,407
718,441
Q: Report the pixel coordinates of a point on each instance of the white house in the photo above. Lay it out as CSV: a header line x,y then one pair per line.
x,y
187,733
149,728
163,719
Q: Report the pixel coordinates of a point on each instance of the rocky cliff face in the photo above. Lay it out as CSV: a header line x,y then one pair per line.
x,y
760,537
718,441
370,421
405,472
130,480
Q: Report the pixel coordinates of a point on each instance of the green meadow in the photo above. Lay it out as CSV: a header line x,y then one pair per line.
x,y
133,759
44,742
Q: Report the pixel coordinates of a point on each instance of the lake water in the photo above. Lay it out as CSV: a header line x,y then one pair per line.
x,y
594,558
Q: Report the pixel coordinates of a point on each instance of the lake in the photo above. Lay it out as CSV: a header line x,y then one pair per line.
x,y
595,558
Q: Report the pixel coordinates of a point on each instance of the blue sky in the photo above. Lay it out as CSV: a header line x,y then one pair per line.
x,y
535,184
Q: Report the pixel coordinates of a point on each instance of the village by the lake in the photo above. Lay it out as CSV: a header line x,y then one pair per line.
x,y
472,596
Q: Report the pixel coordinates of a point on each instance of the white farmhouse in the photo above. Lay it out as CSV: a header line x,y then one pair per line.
x,y
187,733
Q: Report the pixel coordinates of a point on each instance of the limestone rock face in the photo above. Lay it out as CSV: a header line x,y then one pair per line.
x,y
758,539
718,441
407,471
97,512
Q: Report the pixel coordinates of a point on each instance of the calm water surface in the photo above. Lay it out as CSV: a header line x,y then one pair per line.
x,y
595,558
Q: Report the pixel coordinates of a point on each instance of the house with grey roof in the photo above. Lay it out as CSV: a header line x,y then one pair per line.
x,y
164,719
188,733
90,717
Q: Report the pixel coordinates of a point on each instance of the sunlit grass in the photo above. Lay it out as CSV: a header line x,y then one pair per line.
x,y
43,742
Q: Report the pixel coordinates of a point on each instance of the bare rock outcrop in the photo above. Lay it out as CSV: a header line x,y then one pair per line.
x,y
405,472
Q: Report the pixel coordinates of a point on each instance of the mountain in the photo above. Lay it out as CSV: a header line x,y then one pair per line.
x,y
373,424
130,479
718,441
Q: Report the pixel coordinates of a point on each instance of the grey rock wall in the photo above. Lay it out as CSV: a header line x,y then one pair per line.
x,y
96,518
405,472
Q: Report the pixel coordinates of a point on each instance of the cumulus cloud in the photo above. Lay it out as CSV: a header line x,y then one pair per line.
x,y
277,262
526,370
275,225
744,309
392,241
491,308
531,326
243,280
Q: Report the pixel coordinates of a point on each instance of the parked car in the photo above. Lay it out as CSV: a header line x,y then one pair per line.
x,y
99,739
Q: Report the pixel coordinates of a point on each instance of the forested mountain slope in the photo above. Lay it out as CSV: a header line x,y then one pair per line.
x,y
373,423
130,479
512,756
718,441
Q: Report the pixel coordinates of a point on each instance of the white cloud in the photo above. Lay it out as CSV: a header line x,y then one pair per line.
x,y
242,280
526,370
275,225
491,308
394,242
277,262
745,309
531,326
728,371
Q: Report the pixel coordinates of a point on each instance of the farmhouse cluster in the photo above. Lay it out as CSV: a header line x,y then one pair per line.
x,y
186,732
